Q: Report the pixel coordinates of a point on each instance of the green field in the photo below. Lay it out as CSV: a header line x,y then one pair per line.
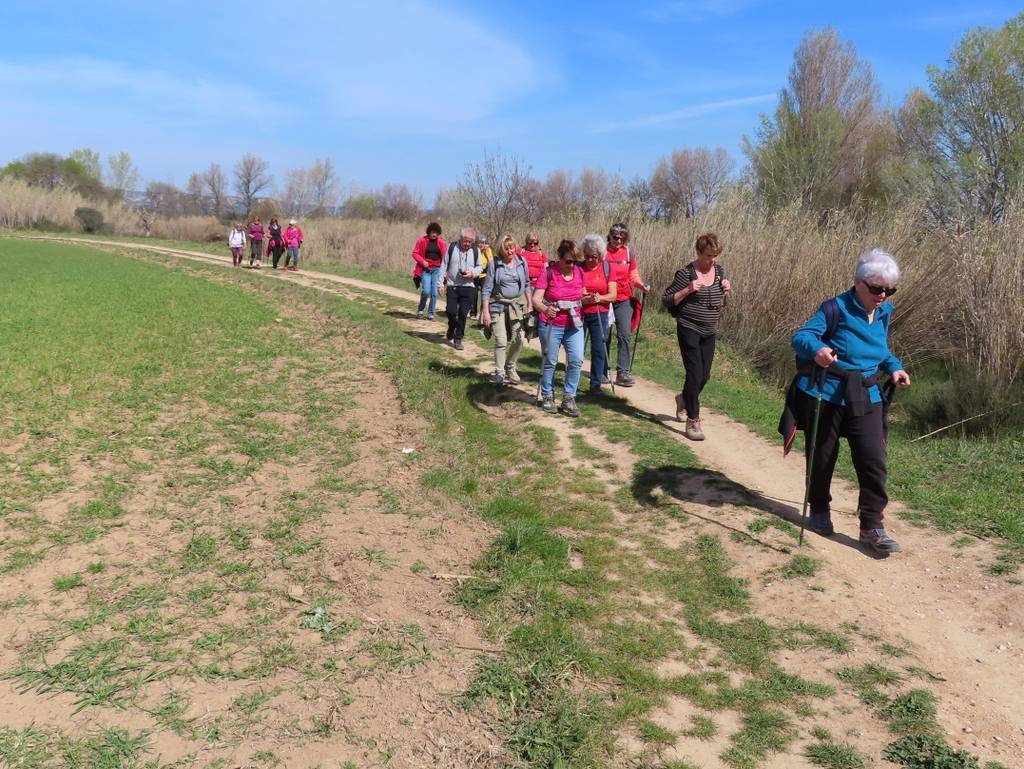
x,y
207,515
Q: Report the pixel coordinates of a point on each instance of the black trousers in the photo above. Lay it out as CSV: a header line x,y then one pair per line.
x,y
866,436
698,351
459,300
276,252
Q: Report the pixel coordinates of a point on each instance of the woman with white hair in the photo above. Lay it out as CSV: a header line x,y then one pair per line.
x,y
843,349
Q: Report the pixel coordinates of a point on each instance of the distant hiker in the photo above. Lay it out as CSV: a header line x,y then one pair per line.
x,y
293,237
486,256
427,255
558,300
626,274
599,290
255,243
696,297
505,306
537,261
849,337
275,243
460,268
236,242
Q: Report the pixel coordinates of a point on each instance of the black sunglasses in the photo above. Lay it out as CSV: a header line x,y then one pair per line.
x,y
879,290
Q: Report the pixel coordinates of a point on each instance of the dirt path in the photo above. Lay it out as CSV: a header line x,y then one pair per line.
x,y
965,626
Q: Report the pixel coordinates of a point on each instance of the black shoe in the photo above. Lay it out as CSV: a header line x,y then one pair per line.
x,y
821,523
879,541
569,407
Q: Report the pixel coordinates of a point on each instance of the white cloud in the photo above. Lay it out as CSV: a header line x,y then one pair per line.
x,y
74,81
414,64
686,113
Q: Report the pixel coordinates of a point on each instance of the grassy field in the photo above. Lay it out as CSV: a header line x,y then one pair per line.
x,y
216,553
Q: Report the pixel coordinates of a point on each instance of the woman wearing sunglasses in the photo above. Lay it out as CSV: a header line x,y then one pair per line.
x,y
848,338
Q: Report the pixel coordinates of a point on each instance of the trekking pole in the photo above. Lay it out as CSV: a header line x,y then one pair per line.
x,y
636,337
819,377
544,358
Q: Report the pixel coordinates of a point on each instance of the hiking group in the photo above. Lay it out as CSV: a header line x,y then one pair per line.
x,y
589,289
280,242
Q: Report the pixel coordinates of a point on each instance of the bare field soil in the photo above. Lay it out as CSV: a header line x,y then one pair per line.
x,y
309,602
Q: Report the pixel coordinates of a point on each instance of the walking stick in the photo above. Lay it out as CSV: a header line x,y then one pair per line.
x,y
819,377
544,359
636,337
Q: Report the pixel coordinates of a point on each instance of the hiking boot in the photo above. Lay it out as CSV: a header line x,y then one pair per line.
x,y
548,404
680,407
821,523
879,541
569,407
457,344
512,376
498,379
595,391
693,431
419,314
430,317
625,379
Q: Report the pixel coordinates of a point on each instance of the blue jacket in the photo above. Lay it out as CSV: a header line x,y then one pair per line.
x,y
859,345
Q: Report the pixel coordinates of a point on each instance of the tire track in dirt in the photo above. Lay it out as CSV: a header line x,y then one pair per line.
x,y
963,624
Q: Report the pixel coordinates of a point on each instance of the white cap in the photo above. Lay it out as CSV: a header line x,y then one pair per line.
x,y
291,221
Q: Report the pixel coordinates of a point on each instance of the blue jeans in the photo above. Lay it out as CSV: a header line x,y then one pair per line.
x,y
571,338
596,325
292,255
428,289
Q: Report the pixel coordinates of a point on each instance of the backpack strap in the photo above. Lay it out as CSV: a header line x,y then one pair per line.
x,y
831,309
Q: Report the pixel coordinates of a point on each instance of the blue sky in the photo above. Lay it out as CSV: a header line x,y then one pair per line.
x,y
410,91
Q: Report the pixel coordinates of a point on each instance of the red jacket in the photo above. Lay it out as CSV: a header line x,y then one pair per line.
x,y
419,251
624,272
536,261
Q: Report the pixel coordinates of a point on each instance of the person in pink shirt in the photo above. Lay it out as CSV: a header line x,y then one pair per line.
x,y
293,237
255,243
427,255
558,300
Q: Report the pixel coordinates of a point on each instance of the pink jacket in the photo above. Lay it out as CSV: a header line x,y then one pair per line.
x,y
293,236
255,232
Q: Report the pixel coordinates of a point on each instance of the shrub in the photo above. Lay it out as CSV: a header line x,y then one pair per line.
x,y
90,219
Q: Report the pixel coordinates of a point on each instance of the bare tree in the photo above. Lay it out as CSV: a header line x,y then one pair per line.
x,y
556,195
251,178
690,180
396,202
323,185
194,193
122,176
491,191
297,192
164,199
216,187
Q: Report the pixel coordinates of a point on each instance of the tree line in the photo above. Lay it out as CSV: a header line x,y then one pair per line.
x,y
956,148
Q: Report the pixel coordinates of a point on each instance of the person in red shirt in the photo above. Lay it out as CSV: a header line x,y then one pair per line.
x,y
427,256
626,274
536,260
599,291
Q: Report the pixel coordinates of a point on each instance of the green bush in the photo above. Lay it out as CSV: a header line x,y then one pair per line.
x,y
90,219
